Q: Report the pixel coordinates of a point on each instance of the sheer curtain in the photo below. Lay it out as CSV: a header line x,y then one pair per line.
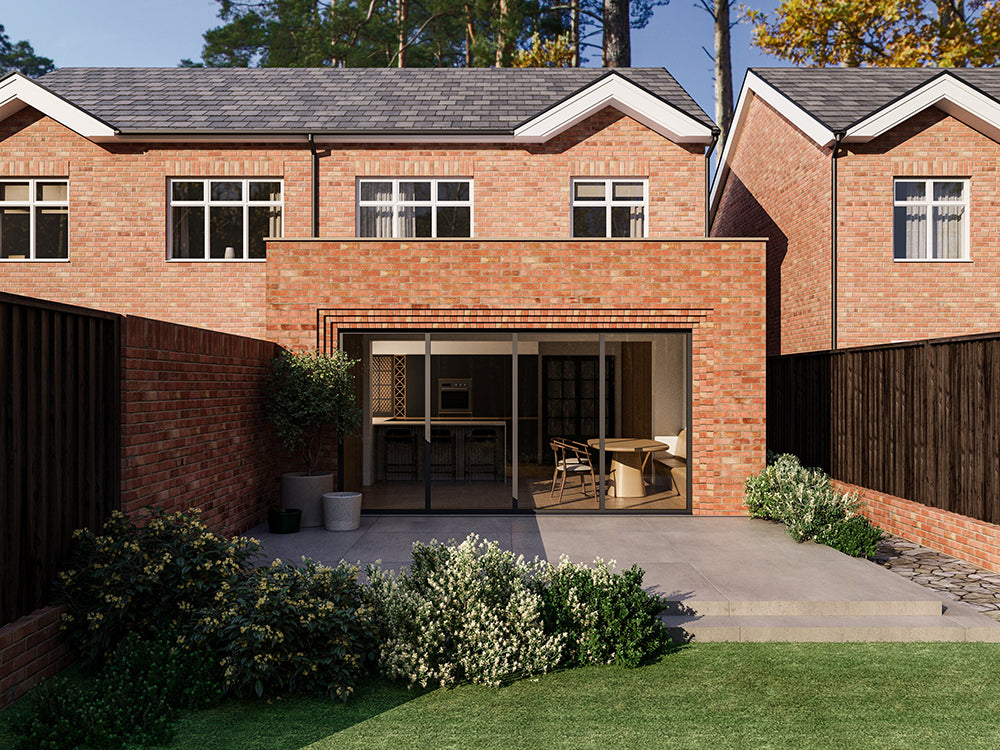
x,y
948,231
376,221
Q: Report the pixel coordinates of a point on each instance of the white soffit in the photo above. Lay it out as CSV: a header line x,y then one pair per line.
x,y
792,112
17,92
615,91
946,92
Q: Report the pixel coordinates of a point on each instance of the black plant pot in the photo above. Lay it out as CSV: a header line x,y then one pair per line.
x,y
285,521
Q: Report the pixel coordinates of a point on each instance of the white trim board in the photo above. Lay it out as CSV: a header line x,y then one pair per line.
x,y
18,92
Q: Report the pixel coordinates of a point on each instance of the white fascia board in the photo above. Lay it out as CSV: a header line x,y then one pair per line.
x,y
813,128
946,92
618,92
17,92
735,130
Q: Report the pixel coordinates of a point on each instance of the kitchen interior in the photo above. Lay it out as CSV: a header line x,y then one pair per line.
x,y
491,427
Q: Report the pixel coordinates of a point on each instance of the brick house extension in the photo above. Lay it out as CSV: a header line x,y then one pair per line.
x,y
877,189
433,223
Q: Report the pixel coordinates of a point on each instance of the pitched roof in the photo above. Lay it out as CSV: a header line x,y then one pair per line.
x,y
337,100
840,97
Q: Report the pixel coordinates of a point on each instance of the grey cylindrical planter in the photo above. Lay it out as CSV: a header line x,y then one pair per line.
x,y
305,492
342,510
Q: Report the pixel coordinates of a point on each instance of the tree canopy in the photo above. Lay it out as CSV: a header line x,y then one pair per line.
x,y
903,33
20,56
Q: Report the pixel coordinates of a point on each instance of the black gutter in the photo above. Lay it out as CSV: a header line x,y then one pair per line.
x,y
315,185
837,138
708,179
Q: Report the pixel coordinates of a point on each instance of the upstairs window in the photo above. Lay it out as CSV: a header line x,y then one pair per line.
x,y
223,219
34,219
415,208
610,208
931,220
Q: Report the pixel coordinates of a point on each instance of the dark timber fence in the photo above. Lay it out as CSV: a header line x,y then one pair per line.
x,y
919,420
59,439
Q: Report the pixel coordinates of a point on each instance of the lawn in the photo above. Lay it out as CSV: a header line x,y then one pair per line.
x,y
703,696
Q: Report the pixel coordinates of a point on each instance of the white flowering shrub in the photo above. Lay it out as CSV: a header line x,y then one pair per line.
x,y
466,612
810,508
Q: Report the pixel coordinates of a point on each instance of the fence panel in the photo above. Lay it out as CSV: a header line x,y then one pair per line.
x,y
919,420
59,436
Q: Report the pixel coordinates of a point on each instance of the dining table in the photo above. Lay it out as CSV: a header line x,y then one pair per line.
x,y
629,457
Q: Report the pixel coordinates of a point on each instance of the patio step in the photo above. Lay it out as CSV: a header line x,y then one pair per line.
x,y
916,607
953,625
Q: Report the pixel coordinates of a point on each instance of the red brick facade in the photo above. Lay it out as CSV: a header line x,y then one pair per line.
x,y
779,187
31,651
715,289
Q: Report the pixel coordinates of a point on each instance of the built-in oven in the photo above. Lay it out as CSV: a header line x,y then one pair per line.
x,y
455,397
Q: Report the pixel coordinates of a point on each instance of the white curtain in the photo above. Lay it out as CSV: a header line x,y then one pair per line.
x,y
916,231
376,221
948,231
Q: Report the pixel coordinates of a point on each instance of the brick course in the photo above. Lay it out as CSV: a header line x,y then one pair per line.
x,y
31,651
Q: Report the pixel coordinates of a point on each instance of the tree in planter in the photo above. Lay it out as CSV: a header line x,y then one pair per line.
x,y
308,395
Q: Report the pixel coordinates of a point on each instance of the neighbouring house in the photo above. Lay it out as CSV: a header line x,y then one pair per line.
x,y
514,256
877,189
878,192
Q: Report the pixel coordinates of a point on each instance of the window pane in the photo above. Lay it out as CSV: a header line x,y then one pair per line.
x,y
51,232
227,191
454,221
14,191
910,191
627,191
589,222
225,226
15,233
265,191
265,221
188,191
51,191
414,191
376,221
188,232
588,191
453,191
949,191
626,221
376,191
415,221
909,232
949,231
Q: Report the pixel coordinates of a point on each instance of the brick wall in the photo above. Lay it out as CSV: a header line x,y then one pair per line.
x,y
119,211
779,188
193,430
715,289
30,651
977,542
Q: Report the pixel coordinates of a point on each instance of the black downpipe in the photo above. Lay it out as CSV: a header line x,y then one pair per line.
x,y
315,185
837,138
708,181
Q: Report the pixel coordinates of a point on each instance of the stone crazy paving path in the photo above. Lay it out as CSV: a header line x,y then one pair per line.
x,y
942,574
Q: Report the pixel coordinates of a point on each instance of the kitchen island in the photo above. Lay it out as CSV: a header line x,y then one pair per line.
x,y
461,449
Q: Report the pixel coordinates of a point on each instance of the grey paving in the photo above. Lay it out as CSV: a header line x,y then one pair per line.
x,y
723,578
338,100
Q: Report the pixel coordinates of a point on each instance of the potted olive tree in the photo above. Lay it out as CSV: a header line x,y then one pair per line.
x,y
307,397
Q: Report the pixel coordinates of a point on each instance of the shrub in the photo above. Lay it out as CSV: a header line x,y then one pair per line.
x,y
466,612
809,507
607,618
134,698
290,628
144,579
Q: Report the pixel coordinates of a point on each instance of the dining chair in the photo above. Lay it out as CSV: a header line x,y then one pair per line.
x,y
571,459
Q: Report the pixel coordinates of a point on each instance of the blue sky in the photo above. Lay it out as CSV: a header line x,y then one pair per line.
x,y
161,32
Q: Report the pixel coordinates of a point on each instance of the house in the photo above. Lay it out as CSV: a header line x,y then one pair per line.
x,y
512,255
877,190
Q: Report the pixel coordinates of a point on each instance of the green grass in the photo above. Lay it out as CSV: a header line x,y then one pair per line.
x,y
756,696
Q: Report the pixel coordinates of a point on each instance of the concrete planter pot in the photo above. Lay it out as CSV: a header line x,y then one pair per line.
x,y
342,510
305,492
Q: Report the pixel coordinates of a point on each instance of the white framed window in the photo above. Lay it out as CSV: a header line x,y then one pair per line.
x,y
930,219
610,208
34,219
223,219
414,207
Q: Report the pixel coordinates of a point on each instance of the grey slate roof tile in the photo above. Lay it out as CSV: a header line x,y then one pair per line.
x,y
329,100
840,97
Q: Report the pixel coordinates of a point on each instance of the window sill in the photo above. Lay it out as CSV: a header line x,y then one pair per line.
x,y
34,260
932,260
216,260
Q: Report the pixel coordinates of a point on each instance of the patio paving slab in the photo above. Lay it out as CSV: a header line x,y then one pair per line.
x,y
723,578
